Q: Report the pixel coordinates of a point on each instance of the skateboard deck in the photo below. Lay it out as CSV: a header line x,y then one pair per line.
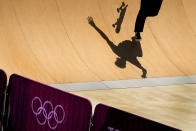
x,y
121,10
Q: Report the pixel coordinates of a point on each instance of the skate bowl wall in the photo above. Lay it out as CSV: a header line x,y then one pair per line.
x,y
51,40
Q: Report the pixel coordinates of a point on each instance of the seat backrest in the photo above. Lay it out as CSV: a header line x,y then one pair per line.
x,y
3,83
37,107
107,118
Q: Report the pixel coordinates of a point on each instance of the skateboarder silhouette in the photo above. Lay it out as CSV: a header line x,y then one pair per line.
x,y
119,21
147,8
126,50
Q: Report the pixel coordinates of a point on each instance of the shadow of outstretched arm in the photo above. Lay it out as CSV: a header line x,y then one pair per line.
x,y
126,50
110,43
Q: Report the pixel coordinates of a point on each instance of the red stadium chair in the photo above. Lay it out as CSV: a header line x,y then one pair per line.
x,y
34,106
3,83
107,118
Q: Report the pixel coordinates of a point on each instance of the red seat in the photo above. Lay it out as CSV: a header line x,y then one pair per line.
x,y
3,83
107,118
37,107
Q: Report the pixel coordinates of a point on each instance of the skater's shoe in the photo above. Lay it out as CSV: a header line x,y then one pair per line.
x,y
138,37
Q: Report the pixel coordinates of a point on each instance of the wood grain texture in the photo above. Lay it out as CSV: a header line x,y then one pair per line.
x,y
51,41
170,105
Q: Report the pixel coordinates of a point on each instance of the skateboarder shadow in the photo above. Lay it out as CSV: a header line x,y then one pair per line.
x,y
126,50
118,23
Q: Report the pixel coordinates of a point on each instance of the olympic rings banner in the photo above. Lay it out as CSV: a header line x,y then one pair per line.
x,y
44,116
34,106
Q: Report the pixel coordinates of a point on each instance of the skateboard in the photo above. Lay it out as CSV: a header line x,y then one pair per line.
x,y
122,11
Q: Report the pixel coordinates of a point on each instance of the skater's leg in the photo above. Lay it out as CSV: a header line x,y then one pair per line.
x,y
135,62
139,24
140,21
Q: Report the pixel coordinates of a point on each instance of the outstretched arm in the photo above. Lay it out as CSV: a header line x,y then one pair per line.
x,y
91,22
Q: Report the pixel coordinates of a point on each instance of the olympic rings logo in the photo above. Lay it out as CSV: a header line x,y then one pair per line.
x,y
46,113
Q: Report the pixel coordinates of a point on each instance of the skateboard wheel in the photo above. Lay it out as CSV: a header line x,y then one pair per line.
x,y
123,3
118,10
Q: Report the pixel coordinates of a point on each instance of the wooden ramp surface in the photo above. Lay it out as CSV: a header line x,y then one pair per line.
x,y
51,41
170,105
